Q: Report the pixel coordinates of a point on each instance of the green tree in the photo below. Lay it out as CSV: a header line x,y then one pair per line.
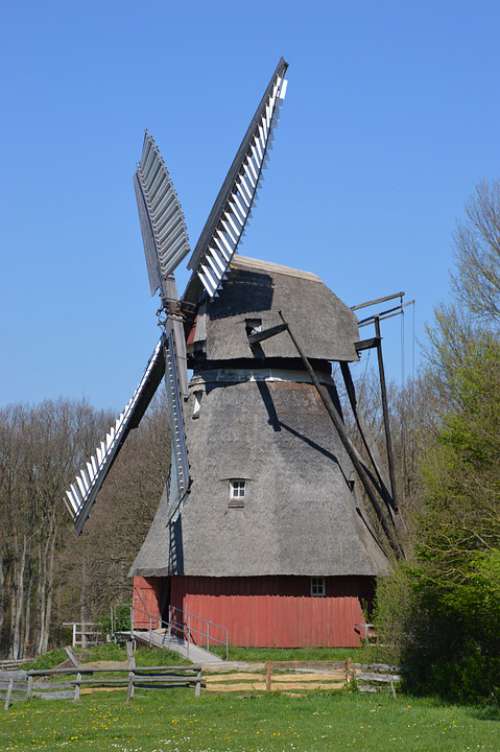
x,y
440,612
452,633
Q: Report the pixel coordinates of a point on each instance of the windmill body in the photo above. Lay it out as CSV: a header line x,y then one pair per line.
x,y
260,527
253,417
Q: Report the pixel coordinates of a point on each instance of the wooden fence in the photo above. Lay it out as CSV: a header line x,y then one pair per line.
x,y
294,676
70,683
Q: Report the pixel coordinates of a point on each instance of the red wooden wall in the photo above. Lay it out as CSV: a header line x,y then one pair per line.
x,y
146,600
276,611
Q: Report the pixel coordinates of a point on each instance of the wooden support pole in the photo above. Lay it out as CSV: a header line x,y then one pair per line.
x,y
8,696
385,411
351,393
29,691
77,687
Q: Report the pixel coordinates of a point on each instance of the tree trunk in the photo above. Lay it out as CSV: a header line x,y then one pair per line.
x,y
18,604
27,617
2,595
83,602
49,588
41,597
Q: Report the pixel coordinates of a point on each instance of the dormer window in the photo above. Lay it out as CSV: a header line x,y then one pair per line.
x,y
236,488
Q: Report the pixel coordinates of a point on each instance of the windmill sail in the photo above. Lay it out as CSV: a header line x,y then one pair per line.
x,y
163,226
225,225
82,493
165,245
180,462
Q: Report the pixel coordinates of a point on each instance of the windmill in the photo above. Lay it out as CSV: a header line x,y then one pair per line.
x,y
244,327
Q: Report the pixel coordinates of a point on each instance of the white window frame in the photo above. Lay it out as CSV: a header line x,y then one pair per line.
x,y
318,587
237,488
197,397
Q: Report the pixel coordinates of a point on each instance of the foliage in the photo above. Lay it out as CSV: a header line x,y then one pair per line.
x,y
393,610
118,622
47,577
448,632
176,720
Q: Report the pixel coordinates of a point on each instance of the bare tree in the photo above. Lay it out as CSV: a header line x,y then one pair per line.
x,y
477,247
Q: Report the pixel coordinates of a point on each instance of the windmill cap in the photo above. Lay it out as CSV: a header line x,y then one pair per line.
x,y
245,262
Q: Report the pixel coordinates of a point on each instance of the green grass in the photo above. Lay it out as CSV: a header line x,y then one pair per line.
x,y
109,652
175,721
48,660
358,655
159,657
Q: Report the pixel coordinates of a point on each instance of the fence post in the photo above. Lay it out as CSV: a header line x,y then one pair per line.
x,y
73,642
197,688
8,696
130,654
29,691
349,674
130,690
188,633
77,687
269,671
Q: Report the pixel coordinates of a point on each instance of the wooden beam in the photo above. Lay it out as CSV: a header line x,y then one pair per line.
x,y
369,303
385,410
254,339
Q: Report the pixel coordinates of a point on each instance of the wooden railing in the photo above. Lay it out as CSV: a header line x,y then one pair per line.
x,y
84,634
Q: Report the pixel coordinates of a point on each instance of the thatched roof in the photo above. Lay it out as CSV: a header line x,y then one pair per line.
x,y
152,559
299,515
262,420
323,324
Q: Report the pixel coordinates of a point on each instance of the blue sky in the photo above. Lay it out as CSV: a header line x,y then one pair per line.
x,y
391,118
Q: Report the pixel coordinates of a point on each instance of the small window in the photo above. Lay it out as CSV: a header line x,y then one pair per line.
x,y
318,587
197,404
236,489
253,326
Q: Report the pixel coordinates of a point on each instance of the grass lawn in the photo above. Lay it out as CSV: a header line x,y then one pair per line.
x,y
358,655
175,721
144,656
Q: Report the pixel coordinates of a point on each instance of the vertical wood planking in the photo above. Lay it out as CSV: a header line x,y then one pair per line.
x,y
276,611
